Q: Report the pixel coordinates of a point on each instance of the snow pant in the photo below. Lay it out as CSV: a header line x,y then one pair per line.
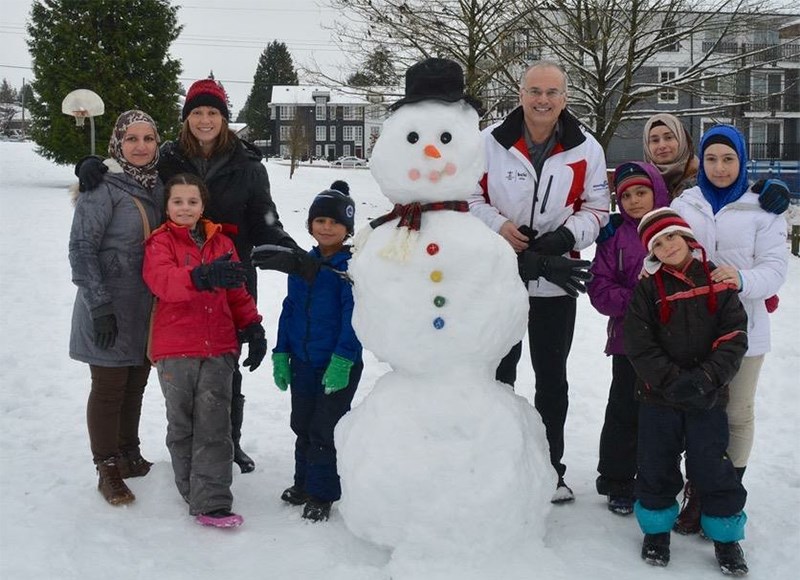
x,y
617,465
313,419
114,409
551,325
197,393
741,410
237,406
664,433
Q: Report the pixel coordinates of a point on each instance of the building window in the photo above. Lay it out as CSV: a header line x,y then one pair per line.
x,y
285,131
666,31
346,150
332,112
359,137
321,133
718,89
285,151
318,151
765,90
332,133
765,139
348,133
320,111
667,94
287,112
349,113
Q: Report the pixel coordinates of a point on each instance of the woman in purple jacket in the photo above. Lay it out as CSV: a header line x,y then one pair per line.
x,y
616,267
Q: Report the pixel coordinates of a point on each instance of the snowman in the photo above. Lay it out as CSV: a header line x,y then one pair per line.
x,y
439,458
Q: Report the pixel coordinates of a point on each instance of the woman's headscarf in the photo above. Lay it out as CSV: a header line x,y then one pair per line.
x,y
674,172
719,197
146,175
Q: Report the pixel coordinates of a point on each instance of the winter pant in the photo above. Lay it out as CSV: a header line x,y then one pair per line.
x,y
197,393
617,465
313,419
114,408
551,324
237,406
664,433
741,409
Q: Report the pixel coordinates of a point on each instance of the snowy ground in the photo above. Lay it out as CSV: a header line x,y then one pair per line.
x,y
54,524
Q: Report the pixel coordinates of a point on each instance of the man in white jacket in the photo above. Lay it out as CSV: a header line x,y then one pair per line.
x,y
546,192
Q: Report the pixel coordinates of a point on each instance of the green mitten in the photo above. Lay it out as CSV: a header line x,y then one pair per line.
x,y
337,375
281,370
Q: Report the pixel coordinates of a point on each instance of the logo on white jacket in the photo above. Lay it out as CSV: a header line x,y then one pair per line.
x,y
512,175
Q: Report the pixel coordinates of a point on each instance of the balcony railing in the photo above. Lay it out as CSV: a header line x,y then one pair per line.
x,y
782,103
769,52
781,151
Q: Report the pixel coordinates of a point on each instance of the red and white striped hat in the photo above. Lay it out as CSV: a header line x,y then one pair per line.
x,y
657,223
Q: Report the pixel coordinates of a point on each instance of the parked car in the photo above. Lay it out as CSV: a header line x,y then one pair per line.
x,y
349,161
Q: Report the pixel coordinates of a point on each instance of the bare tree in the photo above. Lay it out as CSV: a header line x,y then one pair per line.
x,y
612,48
301,141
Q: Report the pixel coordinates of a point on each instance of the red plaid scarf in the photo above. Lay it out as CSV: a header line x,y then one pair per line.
x,y
411,214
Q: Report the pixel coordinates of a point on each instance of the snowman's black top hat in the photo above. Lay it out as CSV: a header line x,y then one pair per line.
x,y
438,79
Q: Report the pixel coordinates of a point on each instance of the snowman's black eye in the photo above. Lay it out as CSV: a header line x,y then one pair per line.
x,y
412,137
446,137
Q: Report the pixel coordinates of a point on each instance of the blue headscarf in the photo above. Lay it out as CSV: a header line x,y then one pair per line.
x,y
719,197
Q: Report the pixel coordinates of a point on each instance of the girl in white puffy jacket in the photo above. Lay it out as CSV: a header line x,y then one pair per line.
x,y
748,245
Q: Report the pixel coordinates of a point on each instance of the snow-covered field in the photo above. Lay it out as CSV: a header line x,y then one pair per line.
x,y
54,524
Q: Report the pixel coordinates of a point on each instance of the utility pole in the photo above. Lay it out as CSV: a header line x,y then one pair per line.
x,y
23,109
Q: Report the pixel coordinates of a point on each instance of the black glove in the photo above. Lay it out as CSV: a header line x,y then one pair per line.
x,y
221,273
253,335
287,260
607,231
773,195
90,171
570,275
105,331
691,389
555,243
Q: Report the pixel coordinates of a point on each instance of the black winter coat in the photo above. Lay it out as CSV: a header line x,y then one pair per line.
x,y
240,196
693,337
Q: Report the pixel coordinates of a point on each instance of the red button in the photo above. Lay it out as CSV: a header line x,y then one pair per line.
x,y
433,249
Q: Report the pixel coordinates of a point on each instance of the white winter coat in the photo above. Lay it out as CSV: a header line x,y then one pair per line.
x,y
754,241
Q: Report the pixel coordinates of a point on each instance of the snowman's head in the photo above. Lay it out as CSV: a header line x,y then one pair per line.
x,y
429,151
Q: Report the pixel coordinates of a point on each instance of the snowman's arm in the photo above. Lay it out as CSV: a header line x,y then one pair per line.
x,y
361,238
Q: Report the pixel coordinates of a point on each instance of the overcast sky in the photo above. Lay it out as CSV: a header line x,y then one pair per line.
x,y
226,36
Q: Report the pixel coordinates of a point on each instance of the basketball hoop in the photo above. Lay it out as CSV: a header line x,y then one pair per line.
x,y
80,116
83,104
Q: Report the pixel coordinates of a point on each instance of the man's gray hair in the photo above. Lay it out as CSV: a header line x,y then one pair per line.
x,y
545,64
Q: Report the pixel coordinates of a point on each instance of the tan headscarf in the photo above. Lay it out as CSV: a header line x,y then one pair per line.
x,y
146,175
685,165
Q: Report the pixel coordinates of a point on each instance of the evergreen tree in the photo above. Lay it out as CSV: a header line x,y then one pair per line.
x,y
377,70
275,67
120,53
8,94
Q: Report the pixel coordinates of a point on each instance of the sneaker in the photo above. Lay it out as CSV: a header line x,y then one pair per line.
x,y
317,511
620,504
110,484
220,519
242,459
132,464
563,493
655,549
294,495
730,558
688,521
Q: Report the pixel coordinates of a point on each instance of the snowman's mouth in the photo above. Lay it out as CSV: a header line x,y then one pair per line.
x,y
433,175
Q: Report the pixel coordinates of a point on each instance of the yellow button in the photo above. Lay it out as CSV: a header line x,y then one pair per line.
x,y
436,276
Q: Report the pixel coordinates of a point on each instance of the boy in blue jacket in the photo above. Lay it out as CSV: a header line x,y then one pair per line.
x,y
318,354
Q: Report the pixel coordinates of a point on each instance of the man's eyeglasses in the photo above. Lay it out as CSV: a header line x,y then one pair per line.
x,y
550,93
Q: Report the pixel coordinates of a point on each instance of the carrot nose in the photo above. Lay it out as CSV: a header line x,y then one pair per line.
x,y
432,151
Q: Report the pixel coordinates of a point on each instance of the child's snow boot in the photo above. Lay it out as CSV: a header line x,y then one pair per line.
x,y
110,484
221,518
294,495
730,558
132,464
620,504
655,549
316,510
563,493
688,521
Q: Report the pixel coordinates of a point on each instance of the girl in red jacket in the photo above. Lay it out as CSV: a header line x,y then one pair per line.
x,y
202,316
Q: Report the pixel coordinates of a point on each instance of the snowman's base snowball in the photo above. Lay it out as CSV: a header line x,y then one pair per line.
x,y
443,465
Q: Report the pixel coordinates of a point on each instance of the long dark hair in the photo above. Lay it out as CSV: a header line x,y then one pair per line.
x,y
191,146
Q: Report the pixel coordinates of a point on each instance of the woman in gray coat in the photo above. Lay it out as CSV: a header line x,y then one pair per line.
x,y
111,316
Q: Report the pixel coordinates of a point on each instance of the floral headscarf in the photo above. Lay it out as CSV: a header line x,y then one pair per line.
x,y
673,173
719,197
146,175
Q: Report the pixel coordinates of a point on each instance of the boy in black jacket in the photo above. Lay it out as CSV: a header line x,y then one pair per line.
x,y
685,336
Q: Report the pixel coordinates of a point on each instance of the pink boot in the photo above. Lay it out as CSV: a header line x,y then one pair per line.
x,y
220,519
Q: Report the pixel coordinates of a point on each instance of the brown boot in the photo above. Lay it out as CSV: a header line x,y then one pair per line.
x,y
110,483
688,521
132,464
